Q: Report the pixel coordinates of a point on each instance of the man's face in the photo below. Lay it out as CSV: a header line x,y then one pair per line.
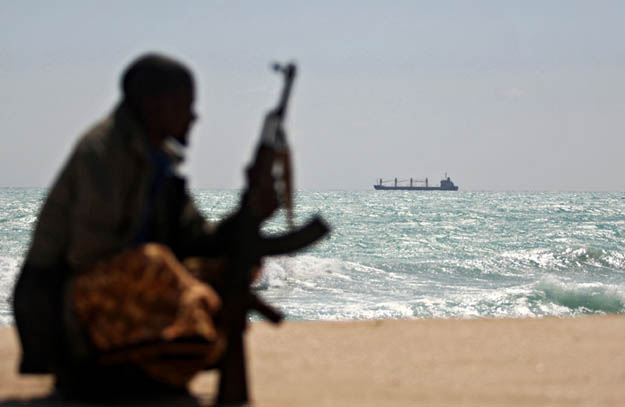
x,y
176,114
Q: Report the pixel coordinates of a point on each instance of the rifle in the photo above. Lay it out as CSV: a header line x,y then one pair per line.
x,y
270,187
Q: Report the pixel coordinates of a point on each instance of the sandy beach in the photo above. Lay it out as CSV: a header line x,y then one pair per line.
x,y
428,362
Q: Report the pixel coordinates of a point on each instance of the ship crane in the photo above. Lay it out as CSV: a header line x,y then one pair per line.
x,y
382,182
421,181
397,182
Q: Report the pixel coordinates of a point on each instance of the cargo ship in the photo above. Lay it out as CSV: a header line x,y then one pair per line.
x,y
415,185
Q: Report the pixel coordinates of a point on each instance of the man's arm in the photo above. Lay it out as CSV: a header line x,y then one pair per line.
x,y
196,235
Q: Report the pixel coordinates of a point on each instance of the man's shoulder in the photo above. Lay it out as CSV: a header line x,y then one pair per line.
x,y
96,138
117,132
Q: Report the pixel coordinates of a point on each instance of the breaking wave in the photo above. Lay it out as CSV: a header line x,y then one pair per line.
x,y
582,297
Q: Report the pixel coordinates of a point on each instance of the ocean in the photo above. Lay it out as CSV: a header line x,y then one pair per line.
x,y
405,254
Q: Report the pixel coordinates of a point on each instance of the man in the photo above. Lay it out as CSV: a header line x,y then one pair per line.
x,y
103,280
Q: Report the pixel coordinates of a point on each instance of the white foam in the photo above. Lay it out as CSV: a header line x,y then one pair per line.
x,y
273,275
583,297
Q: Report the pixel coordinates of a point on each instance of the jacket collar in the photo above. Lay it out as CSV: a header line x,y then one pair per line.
x,y
130,130
133,133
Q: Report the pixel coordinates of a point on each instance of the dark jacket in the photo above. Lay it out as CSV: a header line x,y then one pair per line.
x,y
111,194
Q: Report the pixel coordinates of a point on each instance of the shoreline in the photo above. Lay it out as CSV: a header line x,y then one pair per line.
x,y
551,361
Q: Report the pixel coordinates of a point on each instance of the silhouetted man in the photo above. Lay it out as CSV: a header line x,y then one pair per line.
x,y
103,298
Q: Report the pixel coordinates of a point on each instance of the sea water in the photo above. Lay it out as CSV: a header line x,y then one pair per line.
x,y
407,254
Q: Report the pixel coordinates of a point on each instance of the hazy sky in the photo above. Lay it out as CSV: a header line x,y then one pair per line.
x,y
502,95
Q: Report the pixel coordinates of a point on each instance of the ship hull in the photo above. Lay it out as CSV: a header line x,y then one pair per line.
x,y
400,188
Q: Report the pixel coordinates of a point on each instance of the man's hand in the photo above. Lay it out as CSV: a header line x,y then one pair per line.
x,y
262,197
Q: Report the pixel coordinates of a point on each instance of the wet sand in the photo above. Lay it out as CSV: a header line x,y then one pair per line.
x,y
479,362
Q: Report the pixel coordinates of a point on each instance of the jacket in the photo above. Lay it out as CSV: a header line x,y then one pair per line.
x,y
97,205
111,194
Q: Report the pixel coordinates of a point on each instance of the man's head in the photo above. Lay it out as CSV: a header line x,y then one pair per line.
x,y
160,90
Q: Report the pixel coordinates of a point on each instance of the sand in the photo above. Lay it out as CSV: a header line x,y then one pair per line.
x,y
478,362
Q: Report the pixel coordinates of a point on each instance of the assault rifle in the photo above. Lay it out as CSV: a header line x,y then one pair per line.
x,y
270,187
